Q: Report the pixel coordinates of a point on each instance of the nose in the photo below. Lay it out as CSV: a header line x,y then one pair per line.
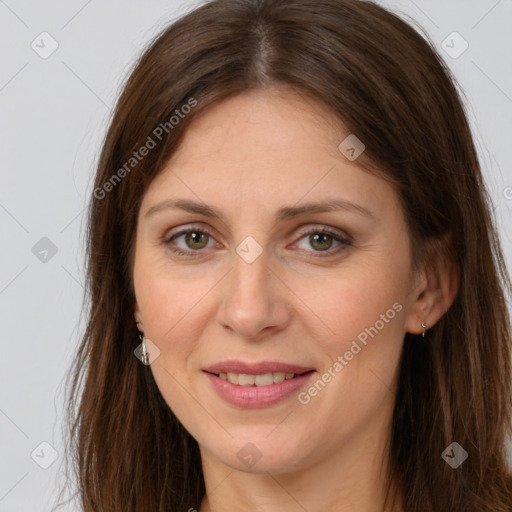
x,y
254,299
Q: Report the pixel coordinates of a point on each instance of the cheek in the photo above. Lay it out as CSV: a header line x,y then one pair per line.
x,y
169,302
364,309
355,301
166,295
175,303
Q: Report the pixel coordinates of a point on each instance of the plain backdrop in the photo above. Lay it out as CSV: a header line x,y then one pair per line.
x,y
54,110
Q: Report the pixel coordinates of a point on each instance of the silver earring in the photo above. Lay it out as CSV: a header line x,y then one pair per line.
x,y
424,327
144,354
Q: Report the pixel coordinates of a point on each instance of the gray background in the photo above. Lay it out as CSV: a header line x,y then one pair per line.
x,y
53,115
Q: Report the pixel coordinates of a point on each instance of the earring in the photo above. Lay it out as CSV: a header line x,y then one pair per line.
x,y
144,354
424,327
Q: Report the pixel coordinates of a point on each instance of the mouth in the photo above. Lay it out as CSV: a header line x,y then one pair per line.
x,y
257,385
261,379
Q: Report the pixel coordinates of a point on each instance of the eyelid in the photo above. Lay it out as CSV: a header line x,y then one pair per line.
x,y
325,229
183,230
303,230
342,237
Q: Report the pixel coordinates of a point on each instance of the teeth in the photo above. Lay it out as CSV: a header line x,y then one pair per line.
x,y
233,378
245,380
279,377
265,379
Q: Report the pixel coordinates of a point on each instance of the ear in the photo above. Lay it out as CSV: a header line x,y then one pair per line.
x,y
435,289
138,317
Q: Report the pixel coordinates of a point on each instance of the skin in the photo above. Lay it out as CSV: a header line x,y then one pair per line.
x,y
248,156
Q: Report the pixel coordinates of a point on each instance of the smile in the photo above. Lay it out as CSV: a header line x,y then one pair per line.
x,y
263,379
257,385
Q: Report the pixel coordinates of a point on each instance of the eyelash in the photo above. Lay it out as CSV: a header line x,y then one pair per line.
x,y
343,240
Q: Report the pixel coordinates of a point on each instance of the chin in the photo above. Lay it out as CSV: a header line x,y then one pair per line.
x,y
261,454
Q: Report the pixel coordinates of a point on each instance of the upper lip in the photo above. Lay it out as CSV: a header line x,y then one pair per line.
x,y
260,368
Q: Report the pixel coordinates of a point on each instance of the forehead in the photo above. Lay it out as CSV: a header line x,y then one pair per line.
x,y
273,119
264,146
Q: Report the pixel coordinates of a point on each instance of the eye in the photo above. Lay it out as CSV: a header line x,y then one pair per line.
x,y
321,240
196,239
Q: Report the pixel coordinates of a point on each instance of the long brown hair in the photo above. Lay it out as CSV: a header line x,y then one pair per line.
x,y
392,90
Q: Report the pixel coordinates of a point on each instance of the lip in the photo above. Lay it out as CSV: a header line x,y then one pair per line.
x,y
260,368
255,397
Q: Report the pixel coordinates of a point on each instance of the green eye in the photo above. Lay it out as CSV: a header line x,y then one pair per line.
x,y
196,239
322,240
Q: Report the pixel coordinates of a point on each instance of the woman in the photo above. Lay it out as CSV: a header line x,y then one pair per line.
x,y
289,211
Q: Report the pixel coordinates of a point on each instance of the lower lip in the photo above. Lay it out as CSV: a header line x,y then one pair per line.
x,y
257,396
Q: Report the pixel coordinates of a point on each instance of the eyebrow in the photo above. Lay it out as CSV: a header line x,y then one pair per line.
x,y
284,213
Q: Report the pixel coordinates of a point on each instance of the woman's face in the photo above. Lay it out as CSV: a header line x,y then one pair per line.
x,y
258,286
